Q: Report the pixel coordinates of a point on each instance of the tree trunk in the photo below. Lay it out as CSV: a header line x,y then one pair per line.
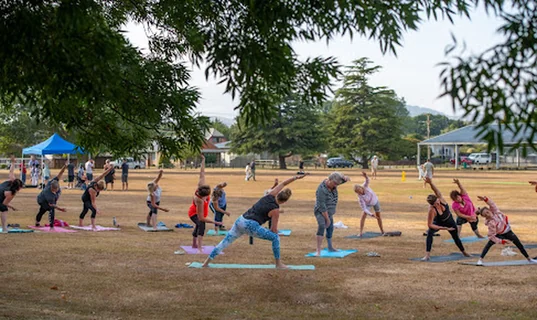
x,y
282,157
365,162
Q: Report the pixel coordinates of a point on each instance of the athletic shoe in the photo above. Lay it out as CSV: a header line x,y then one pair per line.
x,y
180,251
533,260
479,262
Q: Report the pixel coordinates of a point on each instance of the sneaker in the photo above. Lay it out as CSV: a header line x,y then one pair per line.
x,y
373,254
532,260
180,251
479,262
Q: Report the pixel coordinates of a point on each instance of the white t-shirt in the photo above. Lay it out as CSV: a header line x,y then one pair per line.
x,y
375,162
89,167
428,169
157,193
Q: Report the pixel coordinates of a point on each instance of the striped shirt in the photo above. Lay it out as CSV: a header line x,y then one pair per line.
x,y
325,199
369,198
497,224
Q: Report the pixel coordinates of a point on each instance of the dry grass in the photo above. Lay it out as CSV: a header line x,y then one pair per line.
x,y
133,274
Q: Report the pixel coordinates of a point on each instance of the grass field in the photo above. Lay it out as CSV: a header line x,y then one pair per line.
x,y
132,274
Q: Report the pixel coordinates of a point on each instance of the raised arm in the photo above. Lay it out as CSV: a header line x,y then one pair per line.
x,y
458,183
275,184
366,183
202,172
62,170
103,174
490,203
280,186
435,189
12,169
157,179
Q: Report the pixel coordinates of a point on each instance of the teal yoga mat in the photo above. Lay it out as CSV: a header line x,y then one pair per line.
x,y
450,257
285,233
17,230
160,228
501,263
248,266
467,239
327,254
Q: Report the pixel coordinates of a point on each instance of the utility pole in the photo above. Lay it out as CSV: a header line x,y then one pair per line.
x,y
428,135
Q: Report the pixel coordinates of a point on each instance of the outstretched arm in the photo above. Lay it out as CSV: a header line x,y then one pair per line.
x,y
490,203
435,189
157,179
103,174
279,187
202,172
62,170
12,169
458,183
366,183
275,184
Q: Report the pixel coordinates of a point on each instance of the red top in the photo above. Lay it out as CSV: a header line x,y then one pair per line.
x,y
194,210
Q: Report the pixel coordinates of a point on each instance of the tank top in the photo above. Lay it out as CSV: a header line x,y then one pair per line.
x,y
194,209
86,196
157,194
260,210
446,214
4,186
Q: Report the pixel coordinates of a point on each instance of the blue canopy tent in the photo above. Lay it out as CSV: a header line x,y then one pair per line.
x,y
53,145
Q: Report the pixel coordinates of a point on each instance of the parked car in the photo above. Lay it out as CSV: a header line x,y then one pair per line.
x,y
131,162
462,159
480,158
339,163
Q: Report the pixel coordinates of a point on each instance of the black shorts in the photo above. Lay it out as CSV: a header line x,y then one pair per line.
x,y
124,178
70,178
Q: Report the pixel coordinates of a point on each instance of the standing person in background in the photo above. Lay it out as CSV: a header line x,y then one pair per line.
x,y
125,175
252,169
109,178
89,169
428,169
374,167
301,167
34,173
247,172
325,208
70,175
46,173
81,178
23,172
8,190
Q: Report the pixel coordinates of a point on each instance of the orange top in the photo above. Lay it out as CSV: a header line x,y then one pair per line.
x,y
194,209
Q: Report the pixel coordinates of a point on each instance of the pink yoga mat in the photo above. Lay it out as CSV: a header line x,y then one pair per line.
x,y
98,228
206,249
55,230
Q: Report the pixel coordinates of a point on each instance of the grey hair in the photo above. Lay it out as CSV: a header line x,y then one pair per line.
x,y
55,184
336,177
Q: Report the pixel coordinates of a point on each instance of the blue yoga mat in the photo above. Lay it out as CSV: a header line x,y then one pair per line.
x,y
211,232
467,239
501,263
17,230
454,256
327,254
248,266
365,235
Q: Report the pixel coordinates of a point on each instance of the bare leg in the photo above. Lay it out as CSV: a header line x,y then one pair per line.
x,y
148,220
206,262
93,224
194,242
126,186
379,220
319,244
362,223
459,228
330,246
200,244
154,221
479,235
427,256
80,222
4,222
280,265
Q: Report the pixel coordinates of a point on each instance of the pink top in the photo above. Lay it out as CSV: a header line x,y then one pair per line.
x,y
468,209
497,224
369,198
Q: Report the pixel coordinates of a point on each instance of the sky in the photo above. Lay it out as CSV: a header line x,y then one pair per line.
x,y
413,73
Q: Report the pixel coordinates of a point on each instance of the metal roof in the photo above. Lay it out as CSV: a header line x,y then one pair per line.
x,y
469,135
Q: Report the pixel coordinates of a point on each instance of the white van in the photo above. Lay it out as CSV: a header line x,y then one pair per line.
x,y
130,162
480,158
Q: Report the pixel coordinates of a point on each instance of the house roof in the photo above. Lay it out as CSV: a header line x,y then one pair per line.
x,y
213,133
470,135
223,145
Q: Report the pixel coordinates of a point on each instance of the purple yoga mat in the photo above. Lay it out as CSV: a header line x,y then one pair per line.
x,y
98,228
206,249
55,230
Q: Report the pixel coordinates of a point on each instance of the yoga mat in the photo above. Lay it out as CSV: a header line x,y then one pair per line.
x,y
454,256
205,249
500,263
327,254
145,228
55,230
16,230
369,235
98,228
467,239
283,232
249,266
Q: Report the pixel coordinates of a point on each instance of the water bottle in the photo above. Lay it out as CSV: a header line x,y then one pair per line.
x,y
114,221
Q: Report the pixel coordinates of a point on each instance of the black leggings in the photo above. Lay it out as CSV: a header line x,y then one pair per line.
x,y
42,209
510,235
88,206
449,223
199,230
152,210
461,221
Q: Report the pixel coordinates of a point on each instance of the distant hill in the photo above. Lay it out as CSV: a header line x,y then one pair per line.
x,y
227,121
416,111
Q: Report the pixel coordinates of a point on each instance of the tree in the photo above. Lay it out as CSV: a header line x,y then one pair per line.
x,y
295,130
365,119
69,61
